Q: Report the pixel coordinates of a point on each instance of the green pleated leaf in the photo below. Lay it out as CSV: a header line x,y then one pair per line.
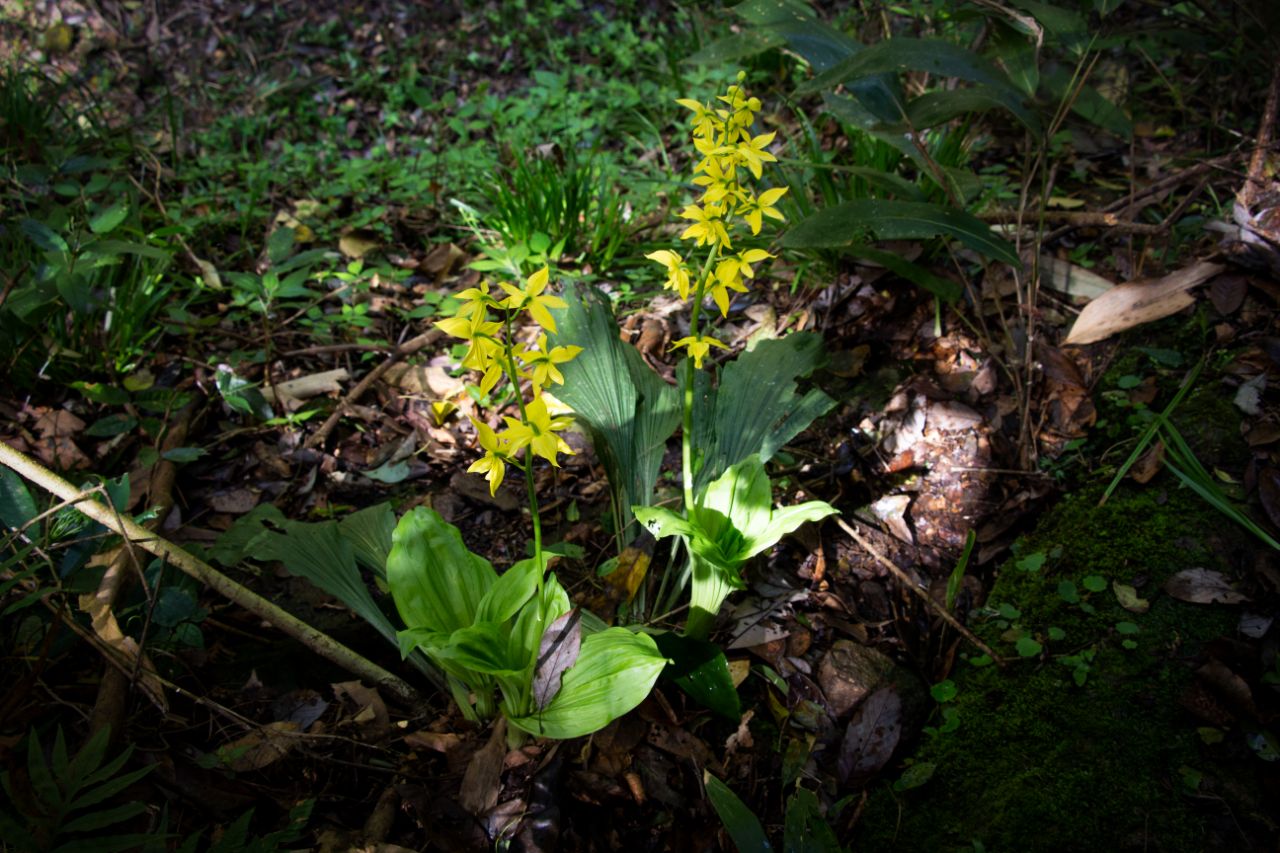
x,y
321,554
369,532
614,673
17,507
628,411
436,582
516,586
739,821
862,220
757,408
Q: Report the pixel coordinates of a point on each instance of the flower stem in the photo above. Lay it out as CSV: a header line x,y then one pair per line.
x,y
509,366
686,438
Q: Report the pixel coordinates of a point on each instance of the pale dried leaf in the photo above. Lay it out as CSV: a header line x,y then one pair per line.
x,y
1072,280
304,387
557,652
260,748
482,782
1202,586
1136,302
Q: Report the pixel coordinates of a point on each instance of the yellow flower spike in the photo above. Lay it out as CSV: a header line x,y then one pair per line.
x,y
531,299
494,462
677,272
542,362
538,432
755,208
698,347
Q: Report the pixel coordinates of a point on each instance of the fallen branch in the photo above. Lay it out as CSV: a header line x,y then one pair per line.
x,y
906,581
409,347
134,534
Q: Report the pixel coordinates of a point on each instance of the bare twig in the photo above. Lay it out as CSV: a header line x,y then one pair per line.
x,y
409,347
906,581
319,642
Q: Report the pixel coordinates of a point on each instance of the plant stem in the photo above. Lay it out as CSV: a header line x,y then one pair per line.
x,y
514,376
686,438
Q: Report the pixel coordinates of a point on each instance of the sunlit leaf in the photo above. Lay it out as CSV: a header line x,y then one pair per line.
x,y
615,671
436,581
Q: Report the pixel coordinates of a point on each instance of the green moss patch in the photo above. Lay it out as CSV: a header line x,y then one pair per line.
x,y
1081,742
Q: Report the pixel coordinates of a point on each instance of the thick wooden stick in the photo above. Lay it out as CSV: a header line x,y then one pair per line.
x,y
319,642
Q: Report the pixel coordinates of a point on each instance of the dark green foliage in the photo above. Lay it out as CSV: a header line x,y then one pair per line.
x,y
65,805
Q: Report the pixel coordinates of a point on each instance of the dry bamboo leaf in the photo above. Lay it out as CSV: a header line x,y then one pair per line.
x,y
1136,302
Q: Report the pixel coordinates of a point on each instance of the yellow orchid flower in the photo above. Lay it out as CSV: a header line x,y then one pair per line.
x,y
494,462
531,299
698,346
542,362
729,275
707,227
705,124
538,432
755,208
677,271
753,153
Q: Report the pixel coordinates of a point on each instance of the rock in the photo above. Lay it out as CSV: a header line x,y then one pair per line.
x,y
849,673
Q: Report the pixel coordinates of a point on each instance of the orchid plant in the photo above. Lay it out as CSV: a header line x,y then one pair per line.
x,y
516,634
732,519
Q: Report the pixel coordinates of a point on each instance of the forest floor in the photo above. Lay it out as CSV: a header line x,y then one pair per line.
x,y
1046,620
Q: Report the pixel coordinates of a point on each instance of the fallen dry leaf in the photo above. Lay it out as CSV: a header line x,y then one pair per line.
x,y
356,244
1072,280
57,449
625,580
871,737
482,783
1202,586
1136,302
260,748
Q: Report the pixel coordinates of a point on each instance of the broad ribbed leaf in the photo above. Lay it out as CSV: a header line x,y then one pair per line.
x,y
860,220
17,507
756,408
615,671
369,532
481,647
436,582
739,821
318,552
626,408
526,636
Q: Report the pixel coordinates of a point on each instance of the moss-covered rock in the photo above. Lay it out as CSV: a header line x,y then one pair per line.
x,y
1081,742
